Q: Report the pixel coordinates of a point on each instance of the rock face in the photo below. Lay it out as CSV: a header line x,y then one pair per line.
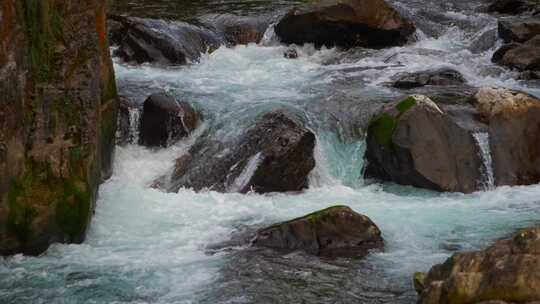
x,y
58,109
345,23
165,120
275,155
507,271
514,132
440,77
336,231
150,40
417,142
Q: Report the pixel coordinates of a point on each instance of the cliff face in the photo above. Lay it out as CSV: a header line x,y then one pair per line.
x,y
58,106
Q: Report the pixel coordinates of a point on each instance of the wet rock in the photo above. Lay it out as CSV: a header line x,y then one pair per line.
x,y
519,29
440,77
274,155
530,75
513,7
420,143
345,23
58,118
521,57
239,29
514,132
165,120
290,54
150,40
336,231
484,42
507,271
128,122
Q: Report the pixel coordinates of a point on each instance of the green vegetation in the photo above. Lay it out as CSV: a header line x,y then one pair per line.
x,y
43,21
383,126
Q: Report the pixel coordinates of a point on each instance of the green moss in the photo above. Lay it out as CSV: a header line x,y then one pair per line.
x,y
43,23
20,215
73,209
383,126
406,105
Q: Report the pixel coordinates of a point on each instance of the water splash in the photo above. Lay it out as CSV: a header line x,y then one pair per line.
x,y
482,139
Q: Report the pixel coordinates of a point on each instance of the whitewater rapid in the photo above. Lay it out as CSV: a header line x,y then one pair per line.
x,y
147,246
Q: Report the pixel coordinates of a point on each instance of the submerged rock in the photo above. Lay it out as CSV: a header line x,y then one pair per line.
x,y
514,133
507,271
151,40
345,23
58,118
336,231
290,54
440,77
420,143
165,120
239,29
274,155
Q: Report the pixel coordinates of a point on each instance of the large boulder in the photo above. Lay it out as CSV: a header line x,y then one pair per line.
x,y
439,77
169,42
420,143
345,23
165,120
336,231
519,29
506,272
57,120
514,133
274,155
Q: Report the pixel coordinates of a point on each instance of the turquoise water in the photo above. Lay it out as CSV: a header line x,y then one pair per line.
x,y
146,246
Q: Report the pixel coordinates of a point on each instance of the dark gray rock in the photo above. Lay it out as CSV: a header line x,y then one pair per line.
x,y
274,155
484,42
334,232
440,77
345,23
165,120
159,41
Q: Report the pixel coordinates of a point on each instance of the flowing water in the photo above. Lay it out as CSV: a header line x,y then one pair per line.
x,y
147,246
482,139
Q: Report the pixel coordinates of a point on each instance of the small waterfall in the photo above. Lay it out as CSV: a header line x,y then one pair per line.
x,y
270,37
134,124
243,179
482,139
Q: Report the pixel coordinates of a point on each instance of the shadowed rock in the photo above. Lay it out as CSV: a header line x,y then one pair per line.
x,y
336,231
513,7
440,77
506,272
274,155
150,40
521,57
417,142
345,23
165,120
